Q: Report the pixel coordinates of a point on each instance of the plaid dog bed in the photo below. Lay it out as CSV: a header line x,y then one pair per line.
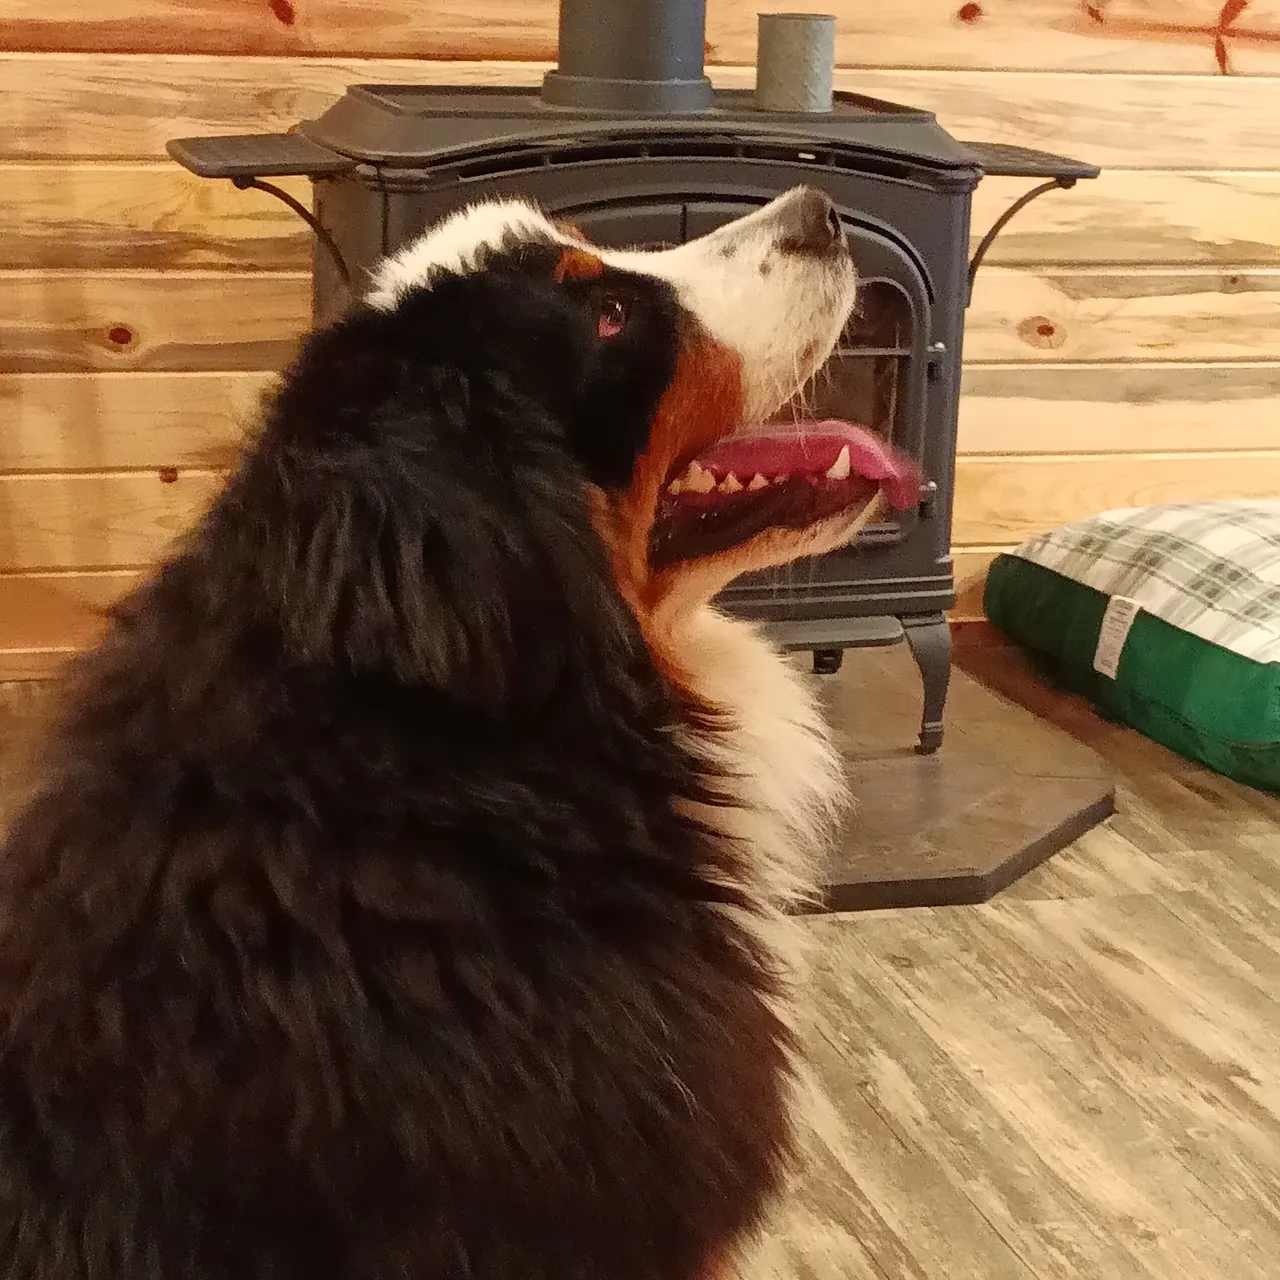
x,y
1167,617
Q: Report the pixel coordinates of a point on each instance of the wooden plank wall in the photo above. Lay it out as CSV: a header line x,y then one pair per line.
x,y
1124,338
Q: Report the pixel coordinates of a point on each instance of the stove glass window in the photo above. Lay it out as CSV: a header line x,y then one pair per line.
x,y
865,379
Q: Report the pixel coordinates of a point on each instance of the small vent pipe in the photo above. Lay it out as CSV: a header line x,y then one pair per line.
x,y
795,62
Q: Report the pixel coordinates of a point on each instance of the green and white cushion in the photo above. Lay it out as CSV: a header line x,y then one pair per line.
x,y
1167,617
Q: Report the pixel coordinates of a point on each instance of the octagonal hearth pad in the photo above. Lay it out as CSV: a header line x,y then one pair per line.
x,y
1005,791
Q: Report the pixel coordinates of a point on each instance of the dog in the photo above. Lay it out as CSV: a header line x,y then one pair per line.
x,y
407,882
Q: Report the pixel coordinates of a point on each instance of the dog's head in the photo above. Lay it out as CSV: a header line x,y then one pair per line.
x,y
667,369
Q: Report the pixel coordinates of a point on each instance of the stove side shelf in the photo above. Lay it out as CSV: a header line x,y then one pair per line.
x,y
1001,160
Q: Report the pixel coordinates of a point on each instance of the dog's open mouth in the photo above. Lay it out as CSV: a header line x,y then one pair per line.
x,y
788,479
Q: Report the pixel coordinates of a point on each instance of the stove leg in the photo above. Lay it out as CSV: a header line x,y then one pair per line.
x,y
826,662
929,636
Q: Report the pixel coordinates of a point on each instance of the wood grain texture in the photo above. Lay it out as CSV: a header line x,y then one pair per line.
x,y
153,215
1118,408
117,262
1124,35
1085,1065
443,29
50,616
95,520
59,321
69,321
1152,122
1064,1026
90,422
1004,500
1040,35
96,107
1134,313
156,216
934,1106
78,106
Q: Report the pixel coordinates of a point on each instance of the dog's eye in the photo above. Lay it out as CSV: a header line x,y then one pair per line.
x,y
612,318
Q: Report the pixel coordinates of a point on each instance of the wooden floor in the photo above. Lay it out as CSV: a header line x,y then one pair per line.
x,y
1080,1079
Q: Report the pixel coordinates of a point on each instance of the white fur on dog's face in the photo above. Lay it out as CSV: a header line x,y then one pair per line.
x,y
780,311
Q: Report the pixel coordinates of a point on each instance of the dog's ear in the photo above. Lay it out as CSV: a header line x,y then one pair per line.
x,y
413,556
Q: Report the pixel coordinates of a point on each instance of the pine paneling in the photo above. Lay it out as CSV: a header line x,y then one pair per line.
x,y
1123,341
154,216
111,421
89,422
999,501
1021,409
96,520
1136,313
99,519
47,617
118,321
1200,36
76,106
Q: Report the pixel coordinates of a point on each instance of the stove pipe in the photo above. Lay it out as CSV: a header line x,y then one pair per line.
x,y
640,56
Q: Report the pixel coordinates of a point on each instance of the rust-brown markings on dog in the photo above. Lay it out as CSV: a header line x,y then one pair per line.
x,y
702,404
578,264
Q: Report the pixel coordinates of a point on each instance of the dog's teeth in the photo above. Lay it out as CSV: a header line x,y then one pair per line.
x,y
840,468
698,480
730,484
676,486
758,482
783,478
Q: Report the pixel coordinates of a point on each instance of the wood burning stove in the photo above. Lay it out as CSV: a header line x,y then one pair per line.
x,y
628,140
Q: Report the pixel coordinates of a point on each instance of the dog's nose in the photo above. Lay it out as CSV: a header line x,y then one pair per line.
x,y
810,223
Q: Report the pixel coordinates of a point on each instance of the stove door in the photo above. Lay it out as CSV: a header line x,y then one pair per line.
x,y
895,369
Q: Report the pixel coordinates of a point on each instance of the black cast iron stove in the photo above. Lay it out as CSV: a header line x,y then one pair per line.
x,y
628,139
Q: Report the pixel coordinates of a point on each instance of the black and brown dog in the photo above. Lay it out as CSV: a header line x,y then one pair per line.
x,y
403,893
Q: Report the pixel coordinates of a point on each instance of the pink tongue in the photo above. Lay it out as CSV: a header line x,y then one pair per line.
x,y
812,450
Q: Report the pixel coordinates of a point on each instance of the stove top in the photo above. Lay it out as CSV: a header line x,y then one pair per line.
x,y
416,124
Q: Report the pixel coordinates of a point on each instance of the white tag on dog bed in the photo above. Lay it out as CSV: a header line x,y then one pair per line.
x,y
1116,625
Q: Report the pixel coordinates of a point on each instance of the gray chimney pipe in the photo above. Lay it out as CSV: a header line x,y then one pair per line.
x,y
631,56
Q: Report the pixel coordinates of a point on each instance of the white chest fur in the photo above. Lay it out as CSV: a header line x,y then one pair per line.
x,y
790,784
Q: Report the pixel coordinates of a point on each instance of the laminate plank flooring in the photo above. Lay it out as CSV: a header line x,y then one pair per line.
x,y
1079,1079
